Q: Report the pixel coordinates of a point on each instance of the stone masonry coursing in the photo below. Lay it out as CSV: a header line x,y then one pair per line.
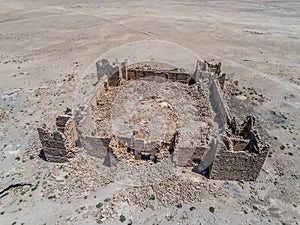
x,y
59,145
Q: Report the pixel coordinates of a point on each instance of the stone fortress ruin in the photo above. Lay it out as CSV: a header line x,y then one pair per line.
x,y
146,112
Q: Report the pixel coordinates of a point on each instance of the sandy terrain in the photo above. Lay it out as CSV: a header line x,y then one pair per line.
x,y
46,46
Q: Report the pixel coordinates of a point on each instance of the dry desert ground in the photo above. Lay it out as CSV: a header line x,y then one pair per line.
x,y
46,46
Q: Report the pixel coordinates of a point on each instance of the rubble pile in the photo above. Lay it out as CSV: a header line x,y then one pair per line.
x,y
76,179
169,192
102,111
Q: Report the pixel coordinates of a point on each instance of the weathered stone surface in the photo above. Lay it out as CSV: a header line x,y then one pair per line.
x,y
57,145
237,165
218,104
221,80
53,145
175,76
114,80
95,146
61,120
184,155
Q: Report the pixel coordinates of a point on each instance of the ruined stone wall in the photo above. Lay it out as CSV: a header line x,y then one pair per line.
x,y
114,80
88,95
61,122
71,134
86,125
58,145
199,153
229,164
183,155
189,156
137,144
221,117
53,145
174,76
237,165
95,146
84,117
218,105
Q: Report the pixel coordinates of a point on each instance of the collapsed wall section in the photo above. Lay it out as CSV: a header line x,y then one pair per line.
x,y
85,123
